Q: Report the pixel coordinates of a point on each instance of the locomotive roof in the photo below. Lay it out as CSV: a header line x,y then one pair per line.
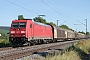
x,y
63,29
40,23
81,34
32,21
19,20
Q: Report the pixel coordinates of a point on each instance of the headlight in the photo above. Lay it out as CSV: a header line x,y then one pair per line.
x,y
22,31
12,35
23,35
12,32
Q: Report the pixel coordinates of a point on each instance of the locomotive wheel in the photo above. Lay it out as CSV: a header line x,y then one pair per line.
x,y
45,42
29,44
53,41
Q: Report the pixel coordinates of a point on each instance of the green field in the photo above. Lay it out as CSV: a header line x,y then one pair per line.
x,y
3,31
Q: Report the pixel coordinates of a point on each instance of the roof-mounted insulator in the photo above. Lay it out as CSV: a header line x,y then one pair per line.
x,y
27,19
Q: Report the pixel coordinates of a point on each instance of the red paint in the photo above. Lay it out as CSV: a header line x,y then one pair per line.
x,y
36,30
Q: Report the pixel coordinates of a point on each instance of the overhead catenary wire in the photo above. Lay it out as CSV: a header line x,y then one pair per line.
x,y
29,9
20,6
56,10
52,4
53,9
24,8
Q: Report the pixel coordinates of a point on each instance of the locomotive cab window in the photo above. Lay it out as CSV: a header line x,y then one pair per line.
x,y
19,25
30,25
15,25
22,24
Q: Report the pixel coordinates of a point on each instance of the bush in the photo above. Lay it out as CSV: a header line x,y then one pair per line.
x,y
4,41
72,55
84,45
77,52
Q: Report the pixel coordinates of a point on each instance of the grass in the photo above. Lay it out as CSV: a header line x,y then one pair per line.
x,y
77,52
72,55
4,41
84,45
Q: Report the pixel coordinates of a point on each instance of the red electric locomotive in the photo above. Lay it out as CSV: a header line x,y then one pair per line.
x,y
27,32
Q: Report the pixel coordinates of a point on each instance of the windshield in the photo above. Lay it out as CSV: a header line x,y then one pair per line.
x,y
19,25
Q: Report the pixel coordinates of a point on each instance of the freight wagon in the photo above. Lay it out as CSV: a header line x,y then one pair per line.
x,y
63,34
81,36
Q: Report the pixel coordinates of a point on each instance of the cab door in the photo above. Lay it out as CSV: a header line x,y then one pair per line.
x,y
30,32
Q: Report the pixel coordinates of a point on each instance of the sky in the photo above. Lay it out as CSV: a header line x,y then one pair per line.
x,y
68,12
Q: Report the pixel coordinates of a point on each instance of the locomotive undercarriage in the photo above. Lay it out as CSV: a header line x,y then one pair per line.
x,y
39,41
18,41
24,41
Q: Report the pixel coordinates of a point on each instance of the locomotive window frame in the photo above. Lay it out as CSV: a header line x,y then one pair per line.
x,y
15,25
18,25
22,24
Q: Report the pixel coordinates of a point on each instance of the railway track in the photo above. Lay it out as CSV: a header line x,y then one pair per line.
x,y
16,53
5,48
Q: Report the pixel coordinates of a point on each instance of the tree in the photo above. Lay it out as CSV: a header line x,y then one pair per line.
x,y
81,32
66,27
20,17
51,23
39,19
